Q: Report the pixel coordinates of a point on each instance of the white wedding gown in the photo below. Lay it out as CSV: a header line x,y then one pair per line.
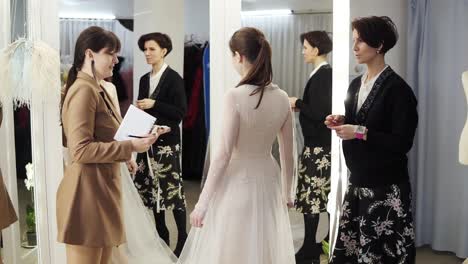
x,y
244,197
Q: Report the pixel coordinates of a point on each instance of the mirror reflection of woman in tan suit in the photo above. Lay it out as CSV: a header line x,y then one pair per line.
x,y
89,210
7,212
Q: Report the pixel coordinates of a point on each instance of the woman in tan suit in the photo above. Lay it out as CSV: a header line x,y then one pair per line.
x,y
7,212
89,209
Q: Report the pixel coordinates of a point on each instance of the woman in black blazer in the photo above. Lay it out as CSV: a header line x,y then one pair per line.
x,y
162,94
314,177
378,129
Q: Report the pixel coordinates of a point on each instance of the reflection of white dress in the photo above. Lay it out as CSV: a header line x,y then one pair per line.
x,y
247,219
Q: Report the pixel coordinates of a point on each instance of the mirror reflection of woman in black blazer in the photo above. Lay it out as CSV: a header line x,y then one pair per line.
x,y
315,162
162,94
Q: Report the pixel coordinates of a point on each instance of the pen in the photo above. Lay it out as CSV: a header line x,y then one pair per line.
x,y
133,136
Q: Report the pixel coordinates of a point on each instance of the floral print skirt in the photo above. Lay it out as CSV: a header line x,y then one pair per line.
x,y
160,185
376,226
313,180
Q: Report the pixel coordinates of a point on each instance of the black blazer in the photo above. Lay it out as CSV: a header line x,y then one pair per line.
x,y
314,108
390,115
170,106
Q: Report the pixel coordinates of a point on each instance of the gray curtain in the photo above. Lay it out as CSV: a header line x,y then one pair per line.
x,y
437,56
70,29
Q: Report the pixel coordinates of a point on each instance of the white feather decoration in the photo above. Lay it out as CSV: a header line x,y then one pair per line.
x,y
26,65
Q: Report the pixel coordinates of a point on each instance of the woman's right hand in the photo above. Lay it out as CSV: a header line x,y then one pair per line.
x,y
334,120
144,143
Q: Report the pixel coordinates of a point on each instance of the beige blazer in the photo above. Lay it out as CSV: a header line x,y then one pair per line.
x,y
7,212
89,206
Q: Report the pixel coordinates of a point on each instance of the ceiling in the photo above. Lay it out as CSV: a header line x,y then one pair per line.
x,y
88,8
124,8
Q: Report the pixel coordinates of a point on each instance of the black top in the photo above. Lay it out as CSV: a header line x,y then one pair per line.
x,y
391,117
170,105
315,106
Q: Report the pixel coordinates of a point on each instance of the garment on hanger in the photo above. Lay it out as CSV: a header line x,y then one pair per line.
x,y
194,129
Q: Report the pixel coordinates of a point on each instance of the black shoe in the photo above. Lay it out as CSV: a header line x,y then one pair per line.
x,y
180,245
300,255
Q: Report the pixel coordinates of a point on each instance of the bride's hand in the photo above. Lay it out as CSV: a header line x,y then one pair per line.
x,y
290,203
197,218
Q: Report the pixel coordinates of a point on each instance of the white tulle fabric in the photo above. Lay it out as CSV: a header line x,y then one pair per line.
x,y
144,246
245,195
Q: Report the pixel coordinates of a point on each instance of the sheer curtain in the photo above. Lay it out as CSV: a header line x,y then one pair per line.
x,y
437,56
283,32
71,28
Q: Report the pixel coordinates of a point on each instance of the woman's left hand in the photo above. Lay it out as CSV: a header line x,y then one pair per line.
x,y
292,102
145,103
345,132
197,218
132,167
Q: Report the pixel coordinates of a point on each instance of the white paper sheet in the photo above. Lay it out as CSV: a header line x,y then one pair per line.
x,y
136,122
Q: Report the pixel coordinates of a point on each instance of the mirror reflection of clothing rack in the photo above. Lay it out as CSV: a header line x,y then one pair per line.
x,y
194,127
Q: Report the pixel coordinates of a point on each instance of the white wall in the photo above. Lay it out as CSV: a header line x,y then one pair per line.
x,y
158,16
197,18
398,12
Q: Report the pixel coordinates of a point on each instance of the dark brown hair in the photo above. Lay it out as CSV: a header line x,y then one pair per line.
x,y
95,39
163,40
376,31
252,44
319,40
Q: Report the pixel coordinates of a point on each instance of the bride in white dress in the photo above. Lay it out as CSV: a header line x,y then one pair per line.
x,y
242,213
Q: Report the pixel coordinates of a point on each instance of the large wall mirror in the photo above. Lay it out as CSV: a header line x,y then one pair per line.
x,y
19,242
283,23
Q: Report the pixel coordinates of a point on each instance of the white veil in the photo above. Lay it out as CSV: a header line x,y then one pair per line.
x,y
144,246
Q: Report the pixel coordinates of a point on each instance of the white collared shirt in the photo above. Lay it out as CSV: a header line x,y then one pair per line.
x,y
154,80
366,88
317,68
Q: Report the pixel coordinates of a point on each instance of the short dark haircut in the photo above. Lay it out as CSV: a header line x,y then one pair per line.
x,y
376,31
319,40
163,40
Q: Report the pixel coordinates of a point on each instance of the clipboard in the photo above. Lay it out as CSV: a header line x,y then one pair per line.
x,y
136,123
